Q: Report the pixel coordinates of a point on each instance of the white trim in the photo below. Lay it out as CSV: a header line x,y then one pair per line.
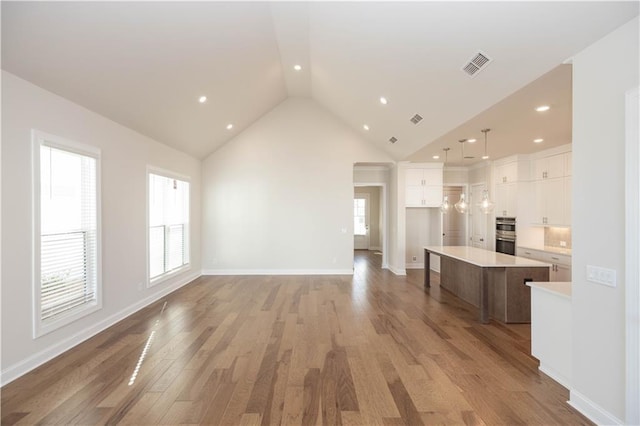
x,y
375,248
632,258
398,271
169,274
38,139
385,214
168,174
14,371
555,375
151,282
372,168
591,410
277,272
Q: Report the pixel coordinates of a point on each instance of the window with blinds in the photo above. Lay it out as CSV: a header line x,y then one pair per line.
x,y
168,226
67,250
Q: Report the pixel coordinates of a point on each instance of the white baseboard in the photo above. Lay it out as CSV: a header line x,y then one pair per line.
x,y
14,371
375,248
277,272
397,271
420,265
564,381
591,410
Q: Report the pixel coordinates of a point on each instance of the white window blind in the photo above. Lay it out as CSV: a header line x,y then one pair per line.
x,y
168,225
68,258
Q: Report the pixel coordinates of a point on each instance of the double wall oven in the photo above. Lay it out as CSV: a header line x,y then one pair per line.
x,y
506,235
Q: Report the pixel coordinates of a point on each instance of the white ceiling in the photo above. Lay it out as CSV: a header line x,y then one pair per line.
x,y
144,64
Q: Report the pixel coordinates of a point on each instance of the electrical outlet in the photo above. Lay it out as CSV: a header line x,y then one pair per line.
x,y
603,276
415,258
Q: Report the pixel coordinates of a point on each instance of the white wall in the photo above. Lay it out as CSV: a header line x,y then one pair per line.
x,y
602,74
278,197
125,156
423,228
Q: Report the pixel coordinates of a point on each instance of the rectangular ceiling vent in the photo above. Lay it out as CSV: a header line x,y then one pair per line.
x,y
477,63
416,119
393,139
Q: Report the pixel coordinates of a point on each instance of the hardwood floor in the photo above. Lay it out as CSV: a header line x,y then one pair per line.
x,y
243,350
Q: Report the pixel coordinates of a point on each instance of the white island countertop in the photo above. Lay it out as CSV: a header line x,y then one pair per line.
x,y
562,289
484,258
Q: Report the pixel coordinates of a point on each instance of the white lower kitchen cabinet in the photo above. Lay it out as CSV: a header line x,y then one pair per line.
x,y
560,263
551,329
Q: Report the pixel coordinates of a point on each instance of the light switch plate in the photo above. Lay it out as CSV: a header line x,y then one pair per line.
x,y
603,276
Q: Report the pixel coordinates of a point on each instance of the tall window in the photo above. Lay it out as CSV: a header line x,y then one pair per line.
x,y
67,245
168,226
359,222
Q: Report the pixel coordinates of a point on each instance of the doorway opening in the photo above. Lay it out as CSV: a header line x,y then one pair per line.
x,y
369,220
453,223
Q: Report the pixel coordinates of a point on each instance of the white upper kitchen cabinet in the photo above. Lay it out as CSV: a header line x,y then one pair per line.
x,y
506,200
423,185
506,173
550,202
549,167
552,187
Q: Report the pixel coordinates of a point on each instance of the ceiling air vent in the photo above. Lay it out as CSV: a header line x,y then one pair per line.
x,y
477,63
393,139
416,119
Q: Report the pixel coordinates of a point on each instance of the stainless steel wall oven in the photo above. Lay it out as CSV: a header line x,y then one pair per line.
x,y
506,235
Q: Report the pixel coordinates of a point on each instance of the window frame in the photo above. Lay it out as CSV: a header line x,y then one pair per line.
x,y
39,139
151,282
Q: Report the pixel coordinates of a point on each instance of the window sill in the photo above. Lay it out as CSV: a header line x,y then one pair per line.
x,y
168,275
41,328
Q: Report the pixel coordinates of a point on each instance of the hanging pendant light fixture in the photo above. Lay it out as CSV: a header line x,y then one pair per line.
x,y
445,207
462,206
486,155
486,205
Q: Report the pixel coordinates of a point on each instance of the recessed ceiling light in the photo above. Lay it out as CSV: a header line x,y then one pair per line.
x,y
365,127
202,99
543,108
297,67
538,140
383,100
229,126
471,140
485,157
436,157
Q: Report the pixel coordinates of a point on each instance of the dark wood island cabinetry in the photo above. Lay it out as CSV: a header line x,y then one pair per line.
x,y
494,282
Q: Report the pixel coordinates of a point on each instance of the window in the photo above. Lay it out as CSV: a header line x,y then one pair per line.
x,y
66,232
359,225
168,225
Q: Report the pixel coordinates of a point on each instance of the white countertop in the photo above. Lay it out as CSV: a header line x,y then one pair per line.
x,y
484,258
562,289
550,249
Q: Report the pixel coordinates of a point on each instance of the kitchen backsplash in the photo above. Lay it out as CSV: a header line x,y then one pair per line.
x,y
557,237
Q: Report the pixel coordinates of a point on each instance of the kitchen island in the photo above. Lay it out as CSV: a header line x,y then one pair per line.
x,y
493,282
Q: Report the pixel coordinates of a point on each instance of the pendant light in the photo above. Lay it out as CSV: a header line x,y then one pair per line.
x,y
486,155
486,205
445,207
462,206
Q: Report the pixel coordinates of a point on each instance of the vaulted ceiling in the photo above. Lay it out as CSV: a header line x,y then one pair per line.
x,y
145,64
